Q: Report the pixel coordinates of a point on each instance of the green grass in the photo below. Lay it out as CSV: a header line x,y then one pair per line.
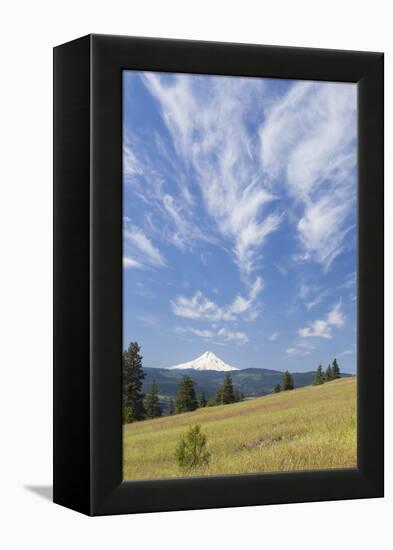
x,y
305,429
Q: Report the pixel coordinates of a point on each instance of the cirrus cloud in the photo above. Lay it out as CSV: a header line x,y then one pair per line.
x,y
308,140
238,337
140,252
322,328
209,131
201,307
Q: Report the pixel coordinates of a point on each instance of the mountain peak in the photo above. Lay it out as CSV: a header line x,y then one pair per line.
x,y
206,361
208,354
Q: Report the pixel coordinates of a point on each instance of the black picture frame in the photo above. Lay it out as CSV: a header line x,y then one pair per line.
x,y
88,274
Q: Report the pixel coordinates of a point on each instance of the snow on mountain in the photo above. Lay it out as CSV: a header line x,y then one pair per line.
x,y
207,361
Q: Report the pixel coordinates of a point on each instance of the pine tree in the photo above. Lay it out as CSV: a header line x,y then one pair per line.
x,y
227,390
133,376
319,376
127,415
171,407
202,399
218,397
277,388
287,381
186,399
152,402
335,370
191,451
329,374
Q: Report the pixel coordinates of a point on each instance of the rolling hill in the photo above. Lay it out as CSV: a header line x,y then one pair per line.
x,y
307,428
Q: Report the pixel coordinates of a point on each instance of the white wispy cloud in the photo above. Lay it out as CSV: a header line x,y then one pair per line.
x,y
310,295
308,141
201,307
280,268
316,300
301,349
273,336
225,334
202,333
350,281
335,317
318,329
129,262
322,328
209,131
148,168
321,230
233,336
186,231
243,304
131,166
141,250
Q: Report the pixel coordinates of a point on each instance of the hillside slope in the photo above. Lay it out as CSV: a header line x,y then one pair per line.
x,y
309,428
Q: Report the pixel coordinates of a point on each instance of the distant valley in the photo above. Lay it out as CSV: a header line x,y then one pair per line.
x,y
251,382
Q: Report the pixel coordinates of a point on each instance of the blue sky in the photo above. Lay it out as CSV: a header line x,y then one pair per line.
x,y
239,210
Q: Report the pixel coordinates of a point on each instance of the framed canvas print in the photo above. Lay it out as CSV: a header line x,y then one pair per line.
x,y
218,275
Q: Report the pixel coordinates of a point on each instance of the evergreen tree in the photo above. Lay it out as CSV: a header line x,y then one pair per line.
x,y
287,381
192,449
127,415
133,376
319,376
227,390
277,388
218,398
186,399
152,402
202,399
329,374
171,407
335,370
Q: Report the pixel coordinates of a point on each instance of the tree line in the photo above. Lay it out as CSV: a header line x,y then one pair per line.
x,y
138,406
187,400
332,373
286,384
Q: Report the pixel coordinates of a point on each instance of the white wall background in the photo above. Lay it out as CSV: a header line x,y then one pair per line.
x,y
29,30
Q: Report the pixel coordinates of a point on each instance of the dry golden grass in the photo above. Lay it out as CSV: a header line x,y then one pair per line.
x,y
305,429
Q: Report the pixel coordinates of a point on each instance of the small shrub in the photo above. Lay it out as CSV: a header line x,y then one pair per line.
x,y
191,451
127,415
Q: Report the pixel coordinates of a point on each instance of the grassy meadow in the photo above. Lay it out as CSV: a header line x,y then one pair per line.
x,y
305,429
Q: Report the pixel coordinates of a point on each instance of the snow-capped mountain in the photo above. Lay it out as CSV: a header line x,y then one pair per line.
x,y
207,361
